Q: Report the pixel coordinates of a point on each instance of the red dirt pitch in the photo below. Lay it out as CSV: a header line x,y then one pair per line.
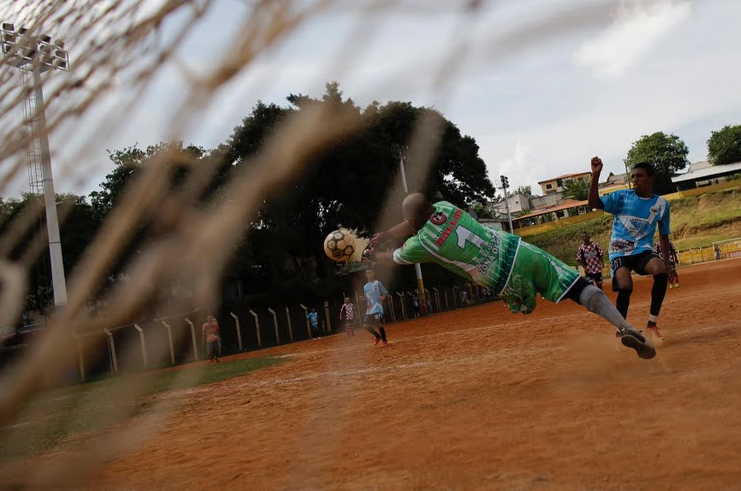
x,y
478,399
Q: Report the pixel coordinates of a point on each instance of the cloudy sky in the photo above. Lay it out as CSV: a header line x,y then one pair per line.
x,y
542,85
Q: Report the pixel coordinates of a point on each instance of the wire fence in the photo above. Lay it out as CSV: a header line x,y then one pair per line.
x,y
177,339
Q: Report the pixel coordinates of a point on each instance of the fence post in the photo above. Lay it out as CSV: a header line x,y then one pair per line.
x,y
239,331
143,343
326,313
403,310
456,296
193,337
257,328
447,303
391,307
80,358
275,322
290,327
437,300
306,316
169,339
112,347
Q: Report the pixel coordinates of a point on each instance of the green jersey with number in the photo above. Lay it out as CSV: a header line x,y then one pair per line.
x,y
455,241
492,258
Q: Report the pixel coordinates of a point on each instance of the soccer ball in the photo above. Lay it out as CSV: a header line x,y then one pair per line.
x,y
339,246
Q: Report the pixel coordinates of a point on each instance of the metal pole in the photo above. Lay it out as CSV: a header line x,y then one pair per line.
x,y
275,323
169,340
143,344
288,319
306,316
193,337
239,332
326,313
257,328
50,201
417,266
112,347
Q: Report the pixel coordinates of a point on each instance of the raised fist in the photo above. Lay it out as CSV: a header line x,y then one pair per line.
x,y
596,165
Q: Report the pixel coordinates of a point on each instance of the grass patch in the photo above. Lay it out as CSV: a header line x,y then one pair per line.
x,y
52,417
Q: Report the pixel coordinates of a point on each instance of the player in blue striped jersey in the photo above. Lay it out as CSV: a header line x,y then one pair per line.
x,y
638,212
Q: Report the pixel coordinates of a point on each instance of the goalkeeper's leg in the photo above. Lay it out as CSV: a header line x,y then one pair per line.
x,y
597,302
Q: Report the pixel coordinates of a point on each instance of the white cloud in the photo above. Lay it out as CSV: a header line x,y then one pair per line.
x,y
637,27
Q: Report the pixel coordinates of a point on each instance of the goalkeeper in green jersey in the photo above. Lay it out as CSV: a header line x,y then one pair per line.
x,y
444,234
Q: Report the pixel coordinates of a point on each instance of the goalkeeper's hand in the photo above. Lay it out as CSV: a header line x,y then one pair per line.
x,y
369,253
379,239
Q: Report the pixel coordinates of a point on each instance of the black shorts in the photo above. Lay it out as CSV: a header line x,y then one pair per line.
x,y
636,262
373,319
596,277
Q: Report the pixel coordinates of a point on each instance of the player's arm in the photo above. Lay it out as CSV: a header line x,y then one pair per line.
x,y
386,258
594,200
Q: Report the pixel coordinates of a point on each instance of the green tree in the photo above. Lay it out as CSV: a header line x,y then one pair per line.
x,y
524,190
667,154
724,146
349,183
577,189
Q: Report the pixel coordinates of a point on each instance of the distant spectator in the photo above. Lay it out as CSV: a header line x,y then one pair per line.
x,y
673,261
415,305
717,252
347,316
375,294
212,339
591,257
314,323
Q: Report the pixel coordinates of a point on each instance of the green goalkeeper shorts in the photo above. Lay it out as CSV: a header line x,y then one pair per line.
x,y
536,271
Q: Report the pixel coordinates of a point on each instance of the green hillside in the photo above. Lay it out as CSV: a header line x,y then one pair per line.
x,y
696,221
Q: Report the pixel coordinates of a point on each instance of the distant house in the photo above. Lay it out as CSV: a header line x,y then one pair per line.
x,y
565,209
614,182
555,185
704,174
517,204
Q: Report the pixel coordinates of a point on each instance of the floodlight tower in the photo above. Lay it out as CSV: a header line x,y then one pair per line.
x,y
505,187
34,55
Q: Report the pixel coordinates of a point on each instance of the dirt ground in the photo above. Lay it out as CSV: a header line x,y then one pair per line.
x,y
478,399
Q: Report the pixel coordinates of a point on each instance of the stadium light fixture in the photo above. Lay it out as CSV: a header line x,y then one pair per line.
x,y
37,54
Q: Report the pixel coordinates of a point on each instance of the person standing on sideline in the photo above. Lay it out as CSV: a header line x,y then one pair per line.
x,y
591,257
673,261
446,235
717,252
375,293
212,339
638,212
314,323
347,316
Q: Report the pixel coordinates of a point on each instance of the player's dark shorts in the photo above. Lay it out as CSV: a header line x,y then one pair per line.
x,y
636,262
596,277
373,319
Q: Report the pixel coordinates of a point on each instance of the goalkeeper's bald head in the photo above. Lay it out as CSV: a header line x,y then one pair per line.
x,y
417,209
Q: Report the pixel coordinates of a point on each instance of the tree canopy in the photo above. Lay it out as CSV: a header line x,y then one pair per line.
x,y
577,189
667,154
724,145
